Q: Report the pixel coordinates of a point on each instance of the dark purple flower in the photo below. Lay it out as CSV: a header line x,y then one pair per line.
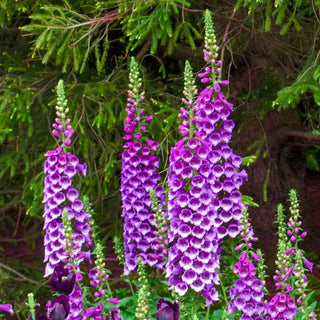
x,y
6,307
59,309
167,310
62,281
41,317
115,314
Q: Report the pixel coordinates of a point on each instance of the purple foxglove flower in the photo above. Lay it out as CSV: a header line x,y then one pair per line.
x,y
167,310
138,176
6,307
59,195
62,281
95,313
190,263
59,309
115,314
281,306
75,300
213,116
203,200
114,300
247,292
308,264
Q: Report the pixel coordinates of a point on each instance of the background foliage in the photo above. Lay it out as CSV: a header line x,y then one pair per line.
x,y
270,52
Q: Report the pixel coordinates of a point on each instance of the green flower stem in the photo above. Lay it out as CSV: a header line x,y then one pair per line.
x,y
208,312
225,298
62,110
32,305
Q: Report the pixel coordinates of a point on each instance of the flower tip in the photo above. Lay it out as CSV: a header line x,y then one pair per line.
x,y
225,82
6,307
67,142
308,264
115,300
148,118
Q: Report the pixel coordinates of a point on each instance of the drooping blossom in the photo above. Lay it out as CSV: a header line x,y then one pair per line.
x,y
76,303
115,300
97,279
167,310
6,307
138,176
62,280
115,314
95,313
59,194
98,273
57,310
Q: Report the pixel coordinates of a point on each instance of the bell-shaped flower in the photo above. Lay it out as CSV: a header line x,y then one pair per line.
x,y
62,281
6,307
58,310
167,310
115,314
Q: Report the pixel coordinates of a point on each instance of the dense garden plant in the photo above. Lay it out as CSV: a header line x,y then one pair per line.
x,y
172,248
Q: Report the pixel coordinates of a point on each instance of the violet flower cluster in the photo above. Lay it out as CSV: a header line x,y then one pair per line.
x,y
139,175
193,256
246,294
214,126
290,272
281,306
204,204
66,223
59,194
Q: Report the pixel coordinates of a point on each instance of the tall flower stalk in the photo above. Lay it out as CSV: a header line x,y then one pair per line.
x,y
193,255
290,277
214,126
204,203
60,168
67,240
138,176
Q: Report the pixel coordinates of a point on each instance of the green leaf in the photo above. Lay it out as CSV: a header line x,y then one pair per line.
x,y
249,201
169,121
247,161
285,28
